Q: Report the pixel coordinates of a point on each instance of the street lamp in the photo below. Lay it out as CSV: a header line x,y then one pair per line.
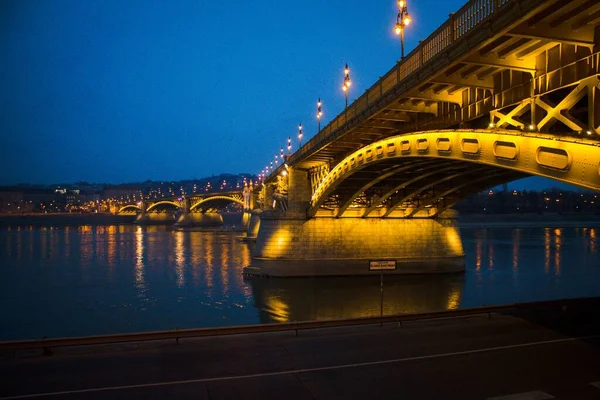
x,y
347,83
319,113
289,145
402,21
300,135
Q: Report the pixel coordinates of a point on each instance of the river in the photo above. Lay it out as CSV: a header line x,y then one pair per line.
x,y
100,279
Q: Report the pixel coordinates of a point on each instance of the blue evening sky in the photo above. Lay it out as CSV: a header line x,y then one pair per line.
x,y
118,91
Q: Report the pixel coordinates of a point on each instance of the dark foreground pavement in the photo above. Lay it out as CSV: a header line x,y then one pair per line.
x,y
527,355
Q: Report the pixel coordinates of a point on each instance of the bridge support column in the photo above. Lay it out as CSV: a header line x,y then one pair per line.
x,y
200,220
142,217
184,218
253,225
344,246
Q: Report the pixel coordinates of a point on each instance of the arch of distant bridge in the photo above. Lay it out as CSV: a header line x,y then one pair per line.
x,y
178,205
229,199
452,164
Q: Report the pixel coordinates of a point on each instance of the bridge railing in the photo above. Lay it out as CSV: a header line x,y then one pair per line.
x,y
459,24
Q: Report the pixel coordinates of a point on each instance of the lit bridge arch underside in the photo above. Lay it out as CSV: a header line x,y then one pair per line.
x,y
215,203
424,173
163,203
129,208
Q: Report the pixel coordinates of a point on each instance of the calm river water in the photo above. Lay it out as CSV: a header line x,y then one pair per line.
x,y
89,280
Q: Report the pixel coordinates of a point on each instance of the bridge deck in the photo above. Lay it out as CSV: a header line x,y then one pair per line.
x,y
460,73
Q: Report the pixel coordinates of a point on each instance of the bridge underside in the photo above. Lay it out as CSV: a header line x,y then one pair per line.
x,y
425,173
411,187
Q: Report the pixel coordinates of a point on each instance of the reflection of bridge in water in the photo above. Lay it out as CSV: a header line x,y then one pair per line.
x,y
502,90
308,299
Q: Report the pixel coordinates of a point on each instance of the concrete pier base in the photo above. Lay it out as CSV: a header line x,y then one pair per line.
x,y
345,246
154,219
208,220
252,227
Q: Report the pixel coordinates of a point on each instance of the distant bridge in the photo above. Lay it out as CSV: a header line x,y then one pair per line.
x,y
194,203
195,210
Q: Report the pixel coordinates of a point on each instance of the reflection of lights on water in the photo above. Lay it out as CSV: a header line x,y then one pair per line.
x,y
209,260
593,242
516,238
478,252
491,255
557,243
278,309
139,261
225,268
112,248
454,299
179,258
546,250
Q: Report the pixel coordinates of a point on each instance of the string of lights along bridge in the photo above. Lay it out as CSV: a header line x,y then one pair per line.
x,y
403,19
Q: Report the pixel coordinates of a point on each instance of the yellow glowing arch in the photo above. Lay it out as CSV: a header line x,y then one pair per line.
x,y
506,154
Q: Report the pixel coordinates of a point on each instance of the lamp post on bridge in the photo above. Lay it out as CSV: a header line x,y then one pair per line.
x,y
402,21
347,83
300,135
289,145
319,113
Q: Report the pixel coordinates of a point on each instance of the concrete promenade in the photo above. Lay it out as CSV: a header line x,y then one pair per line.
x,y
516,356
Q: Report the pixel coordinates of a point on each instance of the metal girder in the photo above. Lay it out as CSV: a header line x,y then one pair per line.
x,y
455,98
535,49
510,62
591,19
433,184
508,119
397,116
403,185
348,201
412,108
506,176
472,81
455,189
381,125
559,34
560,112
586,7
515,47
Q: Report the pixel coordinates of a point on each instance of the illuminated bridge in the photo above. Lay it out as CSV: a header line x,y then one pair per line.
x,y
504,89
196,210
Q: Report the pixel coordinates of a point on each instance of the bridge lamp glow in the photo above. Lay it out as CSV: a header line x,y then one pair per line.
x,y
402,21
283,173
289,147
319,113
300,135
347,83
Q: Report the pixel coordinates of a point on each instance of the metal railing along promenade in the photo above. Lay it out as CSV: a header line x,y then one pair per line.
x,y
48,344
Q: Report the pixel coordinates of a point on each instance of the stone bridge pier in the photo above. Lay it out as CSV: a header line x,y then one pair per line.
x,y
289,243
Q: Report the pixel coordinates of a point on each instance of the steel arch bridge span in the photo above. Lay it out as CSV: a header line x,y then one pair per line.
x,y
129,207
217,200
163,202
423,173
